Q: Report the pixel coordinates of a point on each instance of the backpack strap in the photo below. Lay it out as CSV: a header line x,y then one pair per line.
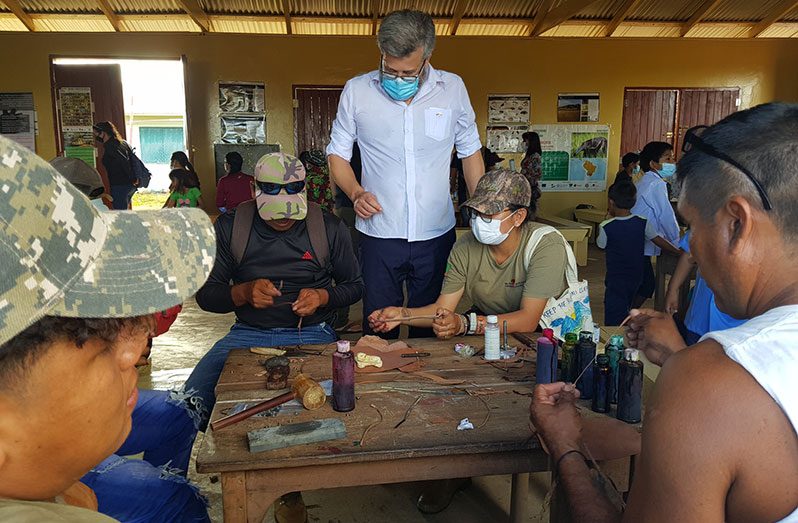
x,y
318,234
570,272
242,226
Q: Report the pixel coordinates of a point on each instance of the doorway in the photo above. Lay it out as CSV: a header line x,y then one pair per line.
x,y
665,114
144,99
315,107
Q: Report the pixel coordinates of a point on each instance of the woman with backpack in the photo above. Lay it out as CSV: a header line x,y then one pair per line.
x,y
116,160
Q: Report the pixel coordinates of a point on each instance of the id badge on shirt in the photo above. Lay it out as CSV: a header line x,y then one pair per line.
x,y
436,122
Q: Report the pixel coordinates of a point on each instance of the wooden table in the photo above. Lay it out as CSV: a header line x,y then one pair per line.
x,y
427,446
591,217
573,232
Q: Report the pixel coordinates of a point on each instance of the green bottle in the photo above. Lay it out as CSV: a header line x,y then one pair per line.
x,y
568,358
614,350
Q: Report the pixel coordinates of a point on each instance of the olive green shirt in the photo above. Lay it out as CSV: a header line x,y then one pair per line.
x,y
498,288
17,511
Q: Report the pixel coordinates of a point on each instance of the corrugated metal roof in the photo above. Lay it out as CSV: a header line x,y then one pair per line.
x,y
498,28
442,27
780,31
145,6
353,8
71,23
668,11
158,24
248,25
792,16
331,26
9,22
577,30
60,6
720,30
742,10
642,30
502,8
436,8
603,10
245,7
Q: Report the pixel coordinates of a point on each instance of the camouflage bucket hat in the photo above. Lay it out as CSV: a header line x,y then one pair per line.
x,y
499,189
80,174
280,168
62,257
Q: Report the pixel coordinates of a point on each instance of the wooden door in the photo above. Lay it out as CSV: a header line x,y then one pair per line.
x,y
105,81
704,107
315,107
648,115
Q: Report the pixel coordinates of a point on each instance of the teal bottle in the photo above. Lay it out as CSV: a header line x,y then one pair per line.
x,y
614,351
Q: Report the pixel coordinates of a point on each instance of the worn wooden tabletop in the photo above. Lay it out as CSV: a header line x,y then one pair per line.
x,y
495,398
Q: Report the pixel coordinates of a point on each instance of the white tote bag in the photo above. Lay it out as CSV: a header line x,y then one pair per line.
x,y
571,311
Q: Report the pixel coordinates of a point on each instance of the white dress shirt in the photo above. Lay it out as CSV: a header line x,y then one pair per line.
x,y
653,205
406,150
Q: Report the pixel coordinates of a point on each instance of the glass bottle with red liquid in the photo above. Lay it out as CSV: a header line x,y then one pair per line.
x,y
343,388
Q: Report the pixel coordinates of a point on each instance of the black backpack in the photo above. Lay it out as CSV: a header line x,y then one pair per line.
x,y
140,171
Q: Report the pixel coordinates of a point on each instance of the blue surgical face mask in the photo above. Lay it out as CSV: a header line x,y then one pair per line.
x,y
636,169
400,89
667,170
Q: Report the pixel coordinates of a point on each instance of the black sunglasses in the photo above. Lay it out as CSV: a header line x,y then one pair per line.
x,y
273,189
692,138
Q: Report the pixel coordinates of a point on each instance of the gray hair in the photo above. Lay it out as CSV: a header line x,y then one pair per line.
x,y
763,140
402,32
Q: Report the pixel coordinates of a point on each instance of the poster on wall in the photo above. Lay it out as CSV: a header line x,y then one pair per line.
x,y
574,157
18,118
243,129
242,97
509,108
506,138
578,107
77,117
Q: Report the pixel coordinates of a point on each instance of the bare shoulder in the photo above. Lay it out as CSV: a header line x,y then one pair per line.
x,y
718,440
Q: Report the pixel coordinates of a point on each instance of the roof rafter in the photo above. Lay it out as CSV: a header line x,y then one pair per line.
x,y
287,14
109,14
560,14
699,15
20,13
197,14
778,12
627,7
543,10
375,15
457,15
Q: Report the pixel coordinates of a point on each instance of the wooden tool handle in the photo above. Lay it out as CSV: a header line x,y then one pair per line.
x,y
251,411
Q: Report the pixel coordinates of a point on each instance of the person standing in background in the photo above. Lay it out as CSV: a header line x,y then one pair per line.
x,y
656,160
317,179
179,160
532,164
116,160
235,187
406,117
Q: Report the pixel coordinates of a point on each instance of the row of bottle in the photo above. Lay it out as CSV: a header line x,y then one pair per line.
x,y
613,377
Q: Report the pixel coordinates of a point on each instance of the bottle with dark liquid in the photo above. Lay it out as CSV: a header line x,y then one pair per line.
x,y
546,366
343,387
614,350
602,377
630,387
585,354
568,358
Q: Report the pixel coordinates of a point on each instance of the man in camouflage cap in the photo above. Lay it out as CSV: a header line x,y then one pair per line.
x,y
286,175
77,287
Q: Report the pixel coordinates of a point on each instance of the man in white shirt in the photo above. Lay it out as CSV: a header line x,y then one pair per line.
x,y
719,435
406,117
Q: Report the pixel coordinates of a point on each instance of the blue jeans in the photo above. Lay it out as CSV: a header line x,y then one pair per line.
x,y
202,381
155,488
121,195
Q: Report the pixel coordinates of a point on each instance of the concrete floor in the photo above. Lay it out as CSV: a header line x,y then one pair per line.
x,y
175,353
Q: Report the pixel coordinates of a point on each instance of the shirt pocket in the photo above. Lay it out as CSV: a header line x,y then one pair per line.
x,y
437,122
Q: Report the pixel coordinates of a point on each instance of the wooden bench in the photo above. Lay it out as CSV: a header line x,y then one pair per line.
x,y
591,217
573,232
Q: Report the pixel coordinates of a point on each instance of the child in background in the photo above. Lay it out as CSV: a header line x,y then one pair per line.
x,y
623,237
183,195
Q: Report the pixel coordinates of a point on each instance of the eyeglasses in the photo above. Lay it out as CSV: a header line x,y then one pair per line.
x,y
409,79
692,138
473,213
273,189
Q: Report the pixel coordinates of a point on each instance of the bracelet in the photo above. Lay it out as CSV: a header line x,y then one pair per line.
x,y
472,323
463,324
572,451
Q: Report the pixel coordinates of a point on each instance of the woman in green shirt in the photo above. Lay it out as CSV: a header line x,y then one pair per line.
x,y
182,195
491,264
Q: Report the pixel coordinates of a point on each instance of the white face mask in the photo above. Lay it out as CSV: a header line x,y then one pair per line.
x,y
489,233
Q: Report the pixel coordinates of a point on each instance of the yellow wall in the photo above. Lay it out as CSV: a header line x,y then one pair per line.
x,y
765,70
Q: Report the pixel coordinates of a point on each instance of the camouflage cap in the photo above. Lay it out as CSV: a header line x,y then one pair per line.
x,y
280,168
499,189
80,174
62,257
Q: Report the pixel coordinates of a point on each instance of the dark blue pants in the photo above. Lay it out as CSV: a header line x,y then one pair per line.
x,y
122,195
649,282
619,293
389,264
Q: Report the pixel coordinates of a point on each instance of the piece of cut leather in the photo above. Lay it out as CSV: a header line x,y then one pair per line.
x,y
390,360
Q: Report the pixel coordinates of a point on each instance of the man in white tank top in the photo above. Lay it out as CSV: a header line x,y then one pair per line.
x,y
719,437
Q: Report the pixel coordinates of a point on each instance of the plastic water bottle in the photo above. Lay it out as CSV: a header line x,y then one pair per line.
x,y
492,339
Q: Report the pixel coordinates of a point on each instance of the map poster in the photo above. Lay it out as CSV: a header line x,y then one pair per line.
x,y
574,157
